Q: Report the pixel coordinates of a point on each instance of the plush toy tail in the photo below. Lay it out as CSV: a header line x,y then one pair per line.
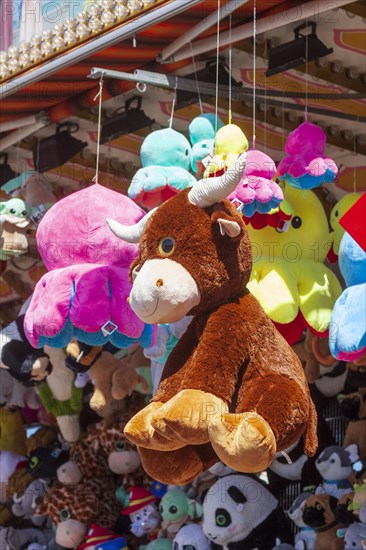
x,y
311,436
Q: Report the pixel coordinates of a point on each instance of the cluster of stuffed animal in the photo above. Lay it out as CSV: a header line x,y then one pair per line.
x,y
173,379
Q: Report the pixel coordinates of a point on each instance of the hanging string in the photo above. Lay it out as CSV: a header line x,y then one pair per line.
x,y
254,66
306,75
174,101
217,61
354,166
100,95
230,70
196,78
265,99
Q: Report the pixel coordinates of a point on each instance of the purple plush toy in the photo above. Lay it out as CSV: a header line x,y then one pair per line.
x,y
84,294
305,165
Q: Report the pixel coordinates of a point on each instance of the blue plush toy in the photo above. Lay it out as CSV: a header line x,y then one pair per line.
x,y
202,135
347,337
166,159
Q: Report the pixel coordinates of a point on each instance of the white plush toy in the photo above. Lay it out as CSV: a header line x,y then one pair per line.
x,y
191,537
241,514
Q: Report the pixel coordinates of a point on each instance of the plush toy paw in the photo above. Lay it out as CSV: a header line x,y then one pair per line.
x,y
187,415
140,431
245,442
177,467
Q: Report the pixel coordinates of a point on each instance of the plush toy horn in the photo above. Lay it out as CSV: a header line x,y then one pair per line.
x,y
129,233
208,191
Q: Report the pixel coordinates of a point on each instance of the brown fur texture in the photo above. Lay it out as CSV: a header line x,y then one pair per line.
x,y
326,540
232,377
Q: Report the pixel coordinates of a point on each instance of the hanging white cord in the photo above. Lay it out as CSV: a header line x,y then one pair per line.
x,y
196,77
173,104
100,95
306,77
217,62
230,70
254,66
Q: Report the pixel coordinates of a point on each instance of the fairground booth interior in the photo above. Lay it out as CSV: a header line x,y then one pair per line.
x,y
182,275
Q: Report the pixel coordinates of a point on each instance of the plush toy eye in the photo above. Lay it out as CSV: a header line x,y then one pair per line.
x,y
24,213
296,222
138,518
173,509
332,461
120,445
319,507
336,213
64,515
362,369
188,547
166,246
33,462
223,518
12,211
187,152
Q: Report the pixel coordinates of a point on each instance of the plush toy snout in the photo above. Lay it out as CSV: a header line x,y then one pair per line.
x,y
69,473
70,533
124,462
350,405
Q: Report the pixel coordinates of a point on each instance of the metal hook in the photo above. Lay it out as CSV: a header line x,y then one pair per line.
x,y
141,87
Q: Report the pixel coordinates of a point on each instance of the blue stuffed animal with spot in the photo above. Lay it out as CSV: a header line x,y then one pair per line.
x,y
347,337
166,160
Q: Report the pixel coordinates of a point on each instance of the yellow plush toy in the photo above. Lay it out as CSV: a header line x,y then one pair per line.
x,y
230,142
340,208
289,278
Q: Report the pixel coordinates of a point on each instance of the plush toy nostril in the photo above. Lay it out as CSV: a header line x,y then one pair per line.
x,y
159,283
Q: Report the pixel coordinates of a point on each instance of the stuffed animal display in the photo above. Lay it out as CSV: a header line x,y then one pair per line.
x,y
81,256
166,159
305,165
348,339
192,377
257,191
292,262
190,413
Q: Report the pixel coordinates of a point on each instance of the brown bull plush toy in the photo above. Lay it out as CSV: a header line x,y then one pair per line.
x,y
232,389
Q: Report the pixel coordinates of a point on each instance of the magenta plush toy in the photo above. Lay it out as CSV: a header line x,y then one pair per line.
x,y
305,165
257,191
84,294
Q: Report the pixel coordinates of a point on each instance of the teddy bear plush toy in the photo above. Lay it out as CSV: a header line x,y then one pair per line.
x,y
111,377
232,388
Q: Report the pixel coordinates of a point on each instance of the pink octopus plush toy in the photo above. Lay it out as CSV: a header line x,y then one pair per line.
x,y
305,165
84,294
257,191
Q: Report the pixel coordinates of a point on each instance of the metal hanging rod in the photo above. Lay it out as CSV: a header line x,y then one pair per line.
x,y
239,93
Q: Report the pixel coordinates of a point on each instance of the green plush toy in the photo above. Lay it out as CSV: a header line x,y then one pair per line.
x,y
176,509
14,211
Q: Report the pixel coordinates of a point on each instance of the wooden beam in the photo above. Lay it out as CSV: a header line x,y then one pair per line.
x,y
358,8
311,68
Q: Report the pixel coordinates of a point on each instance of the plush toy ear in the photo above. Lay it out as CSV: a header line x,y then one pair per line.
x,y
352,450
333,502
237,497
229,225
195,509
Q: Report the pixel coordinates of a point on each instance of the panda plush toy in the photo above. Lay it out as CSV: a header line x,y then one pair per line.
x,y
239,513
